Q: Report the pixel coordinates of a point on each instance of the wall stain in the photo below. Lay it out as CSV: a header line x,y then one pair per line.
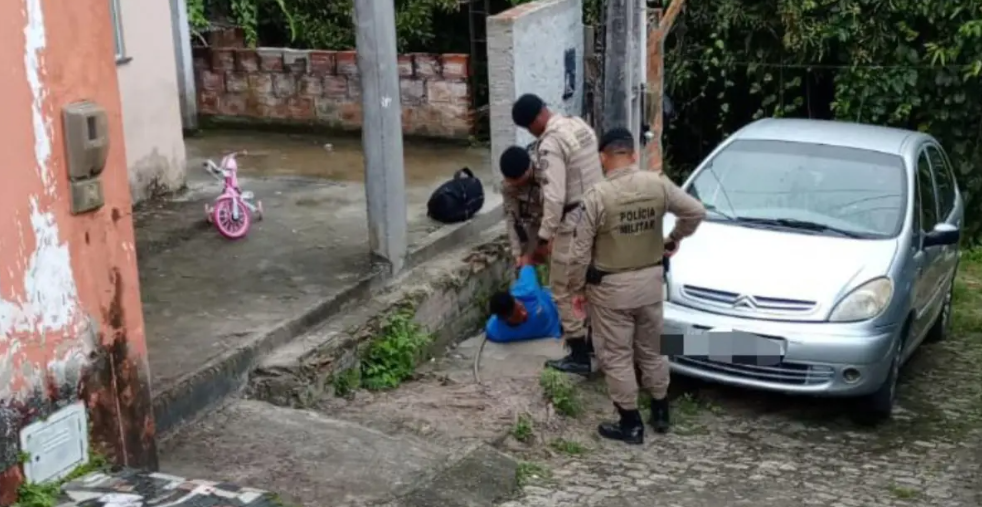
x,y
116,390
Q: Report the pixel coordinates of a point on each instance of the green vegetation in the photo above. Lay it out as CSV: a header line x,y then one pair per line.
x,y
561,393
47,494
524,428
347,382
907,63
904,493
391,358
528,472
316,24
568,447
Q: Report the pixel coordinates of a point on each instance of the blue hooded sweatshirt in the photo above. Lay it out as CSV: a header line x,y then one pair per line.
x,y
543,316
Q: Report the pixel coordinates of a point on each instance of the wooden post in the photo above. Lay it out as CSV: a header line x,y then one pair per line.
x,y
664,19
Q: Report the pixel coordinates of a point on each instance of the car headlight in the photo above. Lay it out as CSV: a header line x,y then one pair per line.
x,y
864,302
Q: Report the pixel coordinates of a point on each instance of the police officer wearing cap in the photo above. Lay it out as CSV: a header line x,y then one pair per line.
x,y
566,163
616,265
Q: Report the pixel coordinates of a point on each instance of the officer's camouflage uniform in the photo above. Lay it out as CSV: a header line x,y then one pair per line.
x,y
620,237
523,210
567,157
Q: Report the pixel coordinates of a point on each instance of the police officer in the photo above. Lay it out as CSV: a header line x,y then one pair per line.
x,y
617,264
522,196
565,156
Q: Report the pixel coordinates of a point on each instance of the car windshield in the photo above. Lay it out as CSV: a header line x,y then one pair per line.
x,y
818,188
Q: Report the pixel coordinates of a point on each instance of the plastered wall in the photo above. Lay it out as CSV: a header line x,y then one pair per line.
x,y
528,50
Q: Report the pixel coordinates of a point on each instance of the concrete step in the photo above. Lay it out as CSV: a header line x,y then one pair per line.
x,y
314,460
446,295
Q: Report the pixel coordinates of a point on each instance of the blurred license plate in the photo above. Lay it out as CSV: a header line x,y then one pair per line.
x,y
733,346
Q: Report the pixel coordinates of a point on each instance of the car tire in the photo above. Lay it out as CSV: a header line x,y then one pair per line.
x,y
876,408
939,330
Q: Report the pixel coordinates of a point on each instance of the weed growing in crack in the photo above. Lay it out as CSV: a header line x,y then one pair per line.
x,y
527,472
569,447
904,493
347,382
48,493
391,358
561,392
524,428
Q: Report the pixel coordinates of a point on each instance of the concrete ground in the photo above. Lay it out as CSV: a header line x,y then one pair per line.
x,y
205,297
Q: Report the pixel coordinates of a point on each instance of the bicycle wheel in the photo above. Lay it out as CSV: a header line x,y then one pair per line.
x,y
227,223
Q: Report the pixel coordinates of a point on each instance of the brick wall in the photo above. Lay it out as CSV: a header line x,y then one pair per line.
x,y
322,88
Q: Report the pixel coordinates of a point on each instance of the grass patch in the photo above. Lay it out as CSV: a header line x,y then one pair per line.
x,y
524,429
528,472
48,493
903,492
561,392
967,295
569,447
391,358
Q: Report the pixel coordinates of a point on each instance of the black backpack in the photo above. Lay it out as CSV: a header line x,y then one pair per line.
x,y
456,200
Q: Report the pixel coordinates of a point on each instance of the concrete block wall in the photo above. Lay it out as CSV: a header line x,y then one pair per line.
x,y
271,85
527,47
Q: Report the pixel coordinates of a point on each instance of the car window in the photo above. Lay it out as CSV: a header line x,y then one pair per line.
x,y
925,185
859,191
944,181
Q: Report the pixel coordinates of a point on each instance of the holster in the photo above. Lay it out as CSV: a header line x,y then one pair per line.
x,y
594,276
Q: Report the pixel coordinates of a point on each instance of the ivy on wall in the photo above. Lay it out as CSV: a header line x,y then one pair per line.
x,y
912,64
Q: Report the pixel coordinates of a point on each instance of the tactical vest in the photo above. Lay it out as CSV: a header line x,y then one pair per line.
x,y
630,237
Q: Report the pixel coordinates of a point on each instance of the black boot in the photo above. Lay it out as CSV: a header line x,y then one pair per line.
x,y
660,419
578,359
630,429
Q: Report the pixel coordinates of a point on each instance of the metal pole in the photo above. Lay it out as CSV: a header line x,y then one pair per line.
x,y
385,187
617,65
181,29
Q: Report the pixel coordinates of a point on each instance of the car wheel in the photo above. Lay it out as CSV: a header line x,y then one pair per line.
x,y
877,407
939,330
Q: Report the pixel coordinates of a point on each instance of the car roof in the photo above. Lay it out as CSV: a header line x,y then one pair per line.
x,y
834,133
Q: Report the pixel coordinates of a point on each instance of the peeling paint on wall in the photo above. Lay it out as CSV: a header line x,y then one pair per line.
x,y
45,309
35,42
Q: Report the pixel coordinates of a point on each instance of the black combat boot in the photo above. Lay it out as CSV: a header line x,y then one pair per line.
x,y
630,428
578,359
660,419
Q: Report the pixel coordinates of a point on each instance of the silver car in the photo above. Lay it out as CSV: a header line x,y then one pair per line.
x,y
828,255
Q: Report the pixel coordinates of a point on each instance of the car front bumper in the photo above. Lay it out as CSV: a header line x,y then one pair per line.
x,y
826,359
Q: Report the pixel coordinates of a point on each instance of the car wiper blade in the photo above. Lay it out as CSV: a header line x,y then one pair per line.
x,y
806,225
714,209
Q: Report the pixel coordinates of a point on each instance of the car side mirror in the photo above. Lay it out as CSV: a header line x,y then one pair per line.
x,y
942,235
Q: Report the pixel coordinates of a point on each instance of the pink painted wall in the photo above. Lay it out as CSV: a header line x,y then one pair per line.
x,y
71,324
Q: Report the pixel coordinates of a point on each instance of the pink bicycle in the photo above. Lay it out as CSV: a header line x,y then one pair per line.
x,y
231,211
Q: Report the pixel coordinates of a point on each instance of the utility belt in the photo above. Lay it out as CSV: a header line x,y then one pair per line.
x,y
519,223
595,276
567,209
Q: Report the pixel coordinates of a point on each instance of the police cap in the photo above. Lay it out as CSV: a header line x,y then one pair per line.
x,y
525,109
618,138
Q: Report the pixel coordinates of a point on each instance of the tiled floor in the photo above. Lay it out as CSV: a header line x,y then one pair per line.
x,y
130,488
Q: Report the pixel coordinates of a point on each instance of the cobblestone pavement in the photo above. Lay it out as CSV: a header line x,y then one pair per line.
x,y
733,447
